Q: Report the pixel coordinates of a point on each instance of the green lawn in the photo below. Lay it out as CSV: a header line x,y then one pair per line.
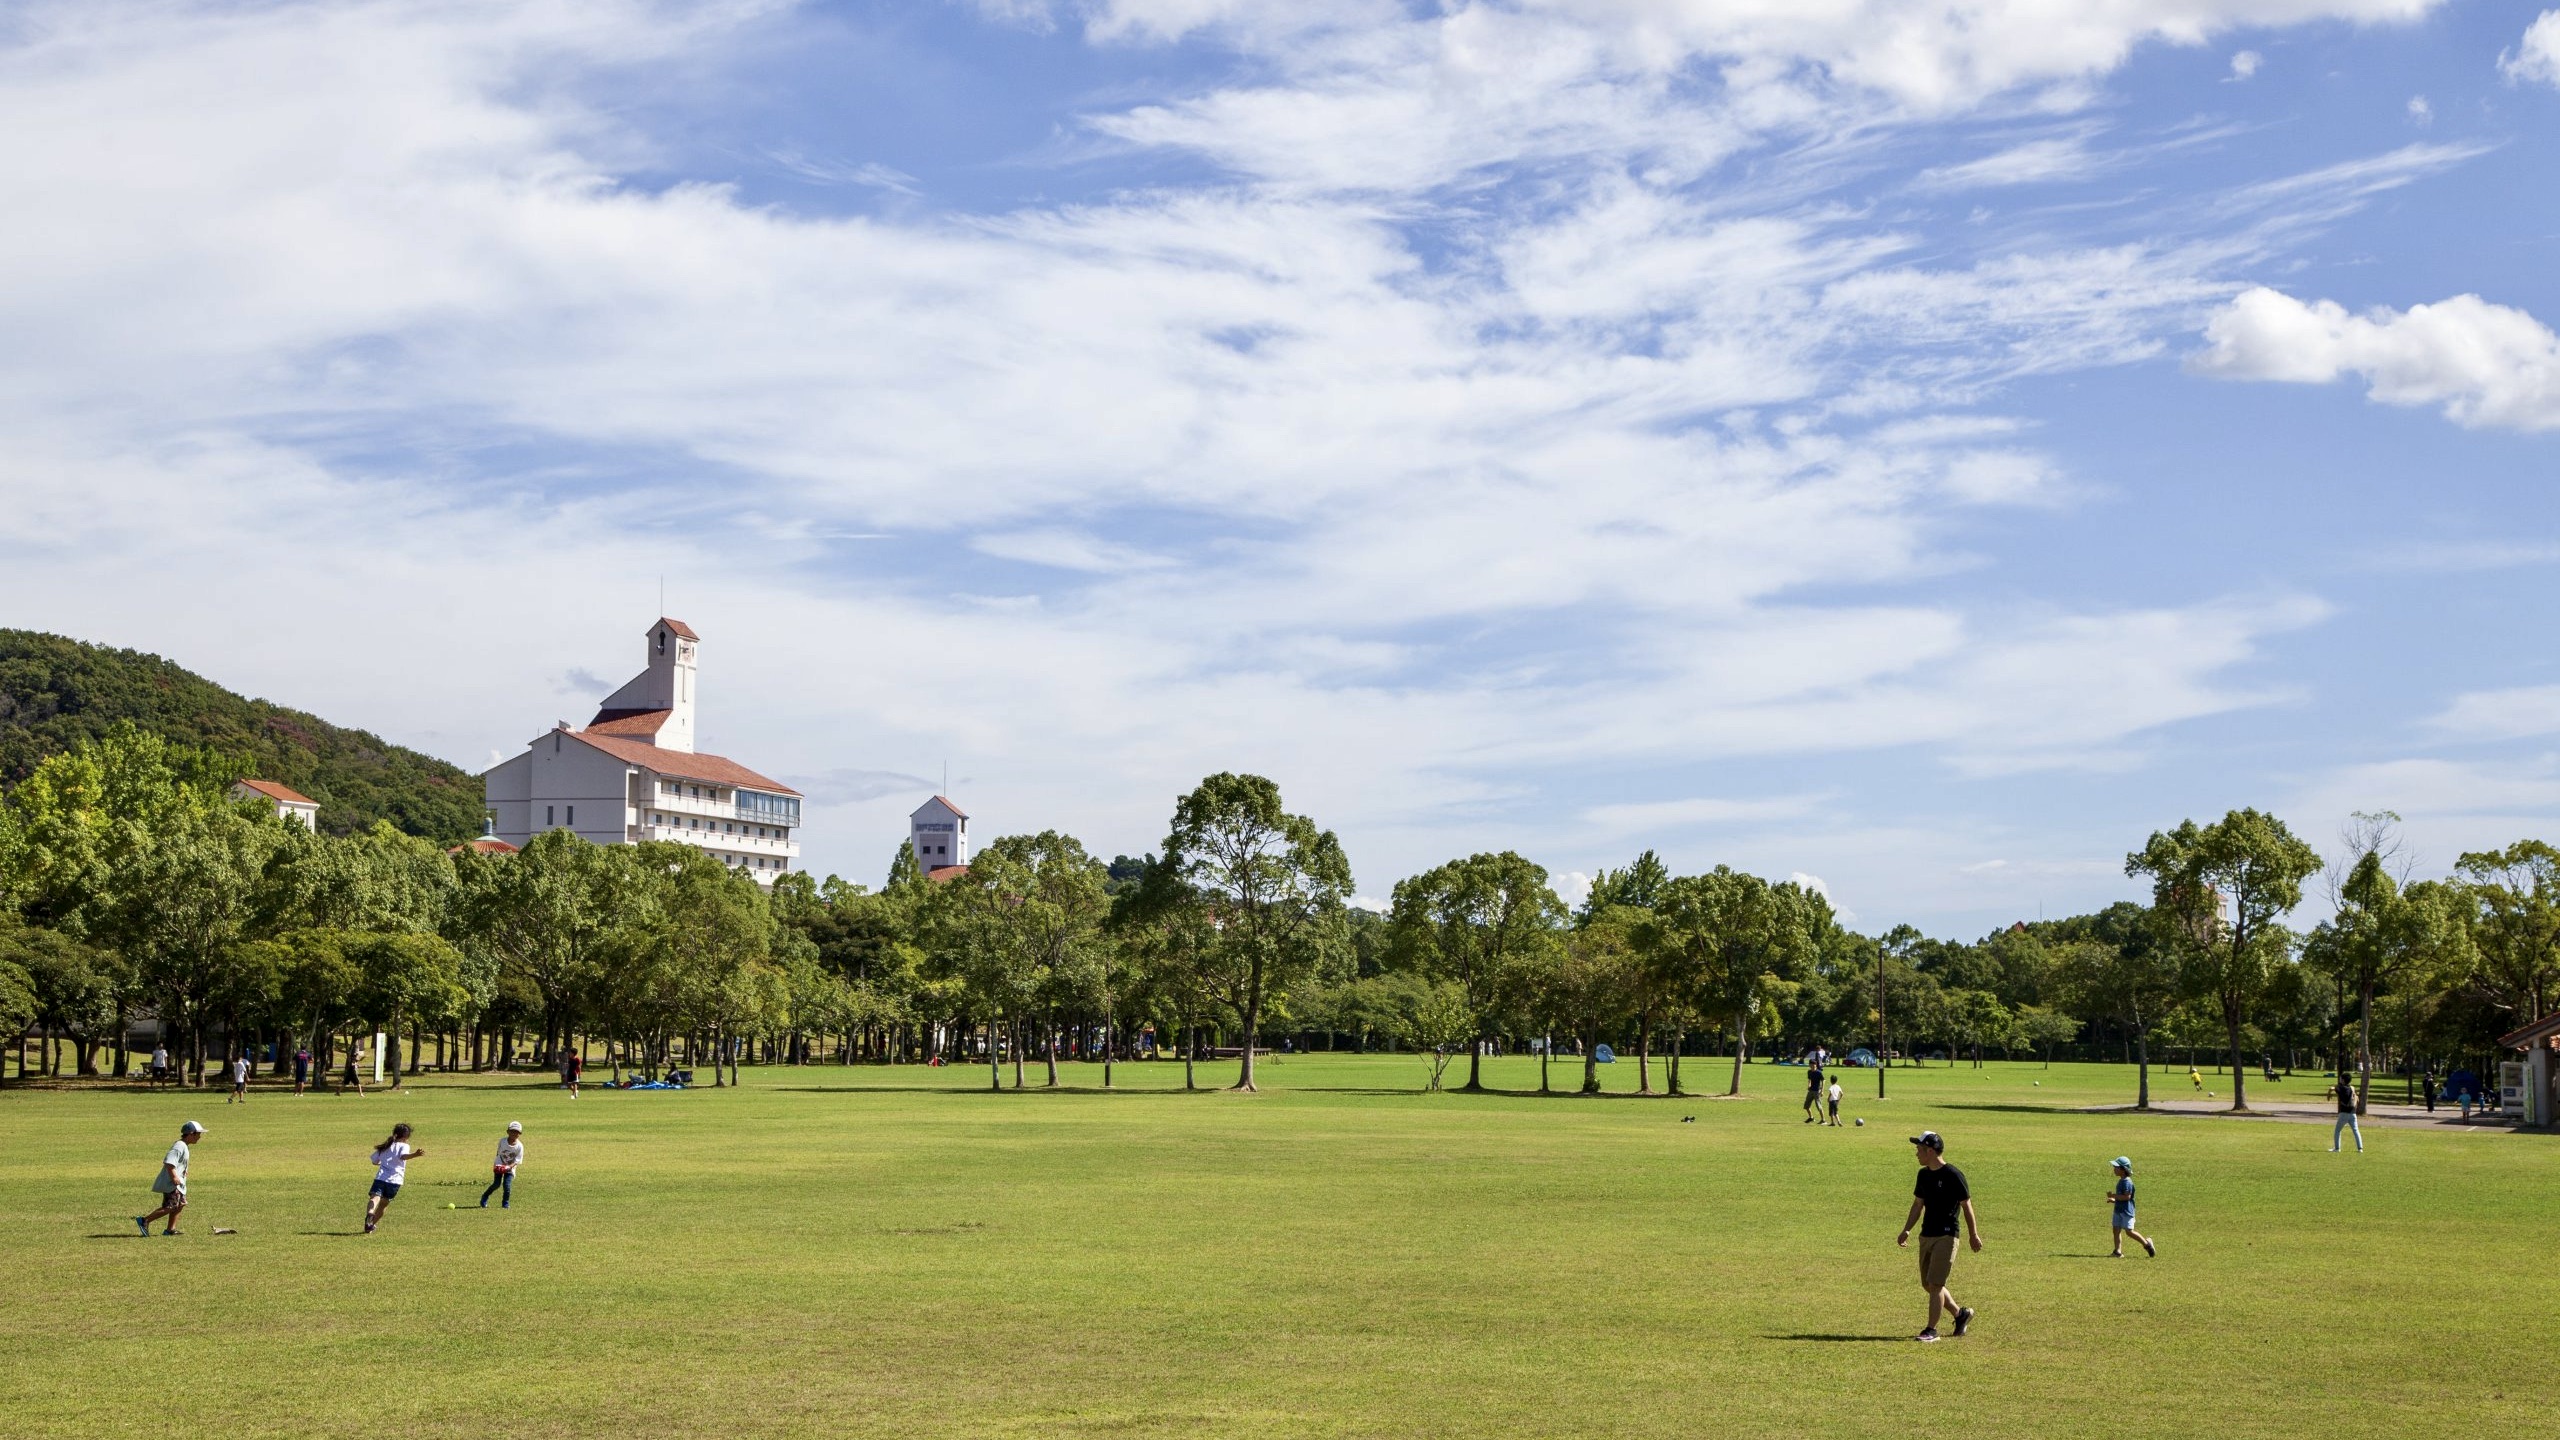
x,y
866,1251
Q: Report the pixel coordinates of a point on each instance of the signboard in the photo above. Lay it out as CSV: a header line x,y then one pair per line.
x,y
2511,1079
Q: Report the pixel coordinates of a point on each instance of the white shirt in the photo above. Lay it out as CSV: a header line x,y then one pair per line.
x,y
1835,1092
240,1069
510,1153
176,1160
391,1163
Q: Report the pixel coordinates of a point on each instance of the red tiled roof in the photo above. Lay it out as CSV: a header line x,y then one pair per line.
x,y
486,845
2531,1035
946,802
944,874
716,769
639,724
274,791
679,627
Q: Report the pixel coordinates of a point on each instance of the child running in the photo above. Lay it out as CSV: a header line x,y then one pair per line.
x,y
2121,1197
390,1171
502,1171
1835,1103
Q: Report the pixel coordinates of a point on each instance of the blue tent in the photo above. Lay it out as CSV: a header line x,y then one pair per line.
x,y
1604,1055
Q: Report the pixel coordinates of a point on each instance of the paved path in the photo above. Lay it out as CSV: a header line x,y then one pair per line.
x,y
2324,1112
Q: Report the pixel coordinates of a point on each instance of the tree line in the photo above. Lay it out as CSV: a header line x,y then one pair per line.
x,y
133,889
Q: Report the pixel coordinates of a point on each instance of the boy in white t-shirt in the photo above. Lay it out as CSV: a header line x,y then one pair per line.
x,y
390,1171
502,1171
171,1183
239,1078
1835,1102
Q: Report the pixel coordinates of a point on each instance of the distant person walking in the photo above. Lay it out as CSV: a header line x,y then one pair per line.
x,y
572,1065
502,1171
2346,1114
351,1078
1937,1198
301,1068
2427,1088
1813,1093
390,1171
171,1183
159,1064
239,1079
1835,1104
2121,1197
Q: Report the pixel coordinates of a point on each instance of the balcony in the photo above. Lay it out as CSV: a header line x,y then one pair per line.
x,y
755,810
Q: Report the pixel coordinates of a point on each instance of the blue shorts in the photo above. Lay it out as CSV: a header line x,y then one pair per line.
x,y
2124,1217
386,1189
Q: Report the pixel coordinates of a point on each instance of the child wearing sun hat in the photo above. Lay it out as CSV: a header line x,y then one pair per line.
x,y
2121,1197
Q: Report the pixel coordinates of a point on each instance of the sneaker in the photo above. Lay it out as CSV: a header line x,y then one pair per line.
x,y
1928,1336
2150,1249
1964,1317
142,1225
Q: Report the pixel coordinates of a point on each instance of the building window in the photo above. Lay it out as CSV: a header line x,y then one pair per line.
x,y
573,814
550,817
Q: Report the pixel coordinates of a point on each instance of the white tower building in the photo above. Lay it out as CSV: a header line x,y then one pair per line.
x,y
667,685
633,774
939,831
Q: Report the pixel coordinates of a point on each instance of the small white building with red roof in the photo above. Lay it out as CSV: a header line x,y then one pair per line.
x,y
290,803
939,831
632,774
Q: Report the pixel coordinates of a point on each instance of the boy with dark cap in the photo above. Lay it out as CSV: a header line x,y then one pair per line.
x,y
1937,1199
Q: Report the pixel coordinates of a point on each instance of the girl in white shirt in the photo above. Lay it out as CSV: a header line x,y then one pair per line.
x,y
390,1171
502,1171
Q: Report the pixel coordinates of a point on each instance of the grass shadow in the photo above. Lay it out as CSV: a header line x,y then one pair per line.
x,y
965,1090
2014,1109
1842,1339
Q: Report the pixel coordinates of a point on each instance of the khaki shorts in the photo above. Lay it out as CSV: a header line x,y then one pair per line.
x,y
1937,1261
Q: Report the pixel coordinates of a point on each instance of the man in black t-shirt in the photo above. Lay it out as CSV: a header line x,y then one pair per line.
x,y
1936,1200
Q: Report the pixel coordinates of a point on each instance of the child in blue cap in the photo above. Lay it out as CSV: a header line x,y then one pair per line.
x,y
2121,1197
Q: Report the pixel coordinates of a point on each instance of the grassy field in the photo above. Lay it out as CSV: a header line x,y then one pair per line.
x,y
867,1251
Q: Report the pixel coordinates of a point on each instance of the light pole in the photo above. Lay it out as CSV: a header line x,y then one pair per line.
x,y
1881,1062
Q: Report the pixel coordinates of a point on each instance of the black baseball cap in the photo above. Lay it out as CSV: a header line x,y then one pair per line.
x,y
1932,1139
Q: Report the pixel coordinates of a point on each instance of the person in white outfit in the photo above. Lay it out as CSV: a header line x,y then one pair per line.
x,y
390,1171
502,1171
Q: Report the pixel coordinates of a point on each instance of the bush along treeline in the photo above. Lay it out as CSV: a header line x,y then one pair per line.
x,y
135,899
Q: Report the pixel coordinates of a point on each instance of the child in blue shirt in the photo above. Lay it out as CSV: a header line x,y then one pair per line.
x,y
2121,1197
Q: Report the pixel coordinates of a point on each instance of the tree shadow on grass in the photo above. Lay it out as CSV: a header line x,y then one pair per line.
x,y
1842,1339
329,1232
2012,1109
982,1090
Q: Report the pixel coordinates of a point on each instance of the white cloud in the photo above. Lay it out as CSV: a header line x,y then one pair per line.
x,y
1356,472
2485,364
1637,820
2036,162
2537,56
2245,63
2420,112
2501,714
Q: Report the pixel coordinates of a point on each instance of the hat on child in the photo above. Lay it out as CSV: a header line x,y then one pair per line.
x,y
515,1125
2122,1164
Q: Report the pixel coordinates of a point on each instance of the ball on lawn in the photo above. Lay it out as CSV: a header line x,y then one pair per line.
x,y
449,1205
1862,1120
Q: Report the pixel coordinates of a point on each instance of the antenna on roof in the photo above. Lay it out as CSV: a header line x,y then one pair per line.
x,y
946,779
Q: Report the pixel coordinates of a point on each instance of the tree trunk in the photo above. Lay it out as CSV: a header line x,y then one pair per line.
x,y
2239,1080
1546,1053
1106,1054
1741,1047
1190,1051
1252,1024
995,1062
1475,1062
1644,1055
2364,1045
1049,1030
2142,1070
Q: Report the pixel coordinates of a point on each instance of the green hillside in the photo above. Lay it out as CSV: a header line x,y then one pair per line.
x,y
56,693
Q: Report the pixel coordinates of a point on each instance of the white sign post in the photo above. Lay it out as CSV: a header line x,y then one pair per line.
x,y
377,1057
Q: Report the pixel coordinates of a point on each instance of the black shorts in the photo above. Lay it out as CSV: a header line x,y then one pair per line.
x,y
386,1190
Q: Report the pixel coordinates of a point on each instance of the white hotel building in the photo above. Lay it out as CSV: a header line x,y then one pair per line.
x,y
634,775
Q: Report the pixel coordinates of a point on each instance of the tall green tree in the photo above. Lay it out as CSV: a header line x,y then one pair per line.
x,y
2220,893
1272,884
2383,935
181,909
1483,924
2131,978
2516,925
550,915
1594,984
1734,941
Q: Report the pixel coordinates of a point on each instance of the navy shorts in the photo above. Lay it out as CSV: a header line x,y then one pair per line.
x,y
386,1189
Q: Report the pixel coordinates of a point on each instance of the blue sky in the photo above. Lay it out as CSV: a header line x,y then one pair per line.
x,y
1922,448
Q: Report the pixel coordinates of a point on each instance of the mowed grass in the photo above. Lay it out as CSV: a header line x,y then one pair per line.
x,y
834,1251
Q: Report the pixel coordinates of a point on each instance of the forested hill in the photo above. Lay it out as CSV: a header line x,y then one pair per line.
x,y
56,693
